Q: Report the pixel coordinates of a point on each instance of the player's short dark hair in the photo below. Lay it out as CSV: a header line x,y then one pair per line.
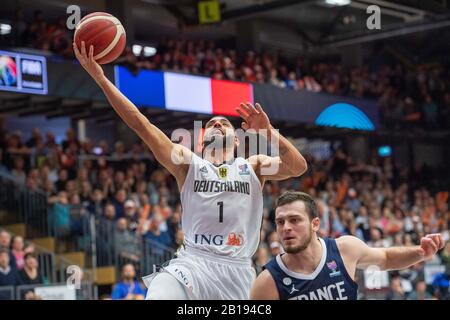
x,y
292,196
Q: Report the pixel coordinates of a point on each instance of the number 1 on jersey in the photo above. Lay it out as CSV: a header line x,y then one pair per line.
x,y
220,204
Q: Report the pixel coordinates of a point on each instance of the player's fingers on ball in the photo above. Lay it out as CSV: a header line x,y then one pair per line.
x,y
83,48
76,50
91,52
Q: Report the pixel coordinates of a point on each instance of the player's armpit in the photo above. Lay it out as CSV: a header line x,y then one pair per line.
x,y
174,157
264,288
270,168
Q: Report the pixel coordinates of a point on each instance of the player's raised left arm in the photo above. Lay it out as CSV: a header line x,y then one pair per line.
x,y
394,258
289,162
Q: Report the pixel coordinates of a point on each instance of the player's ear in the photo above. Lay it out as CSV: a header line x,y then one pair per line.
x,y
315,224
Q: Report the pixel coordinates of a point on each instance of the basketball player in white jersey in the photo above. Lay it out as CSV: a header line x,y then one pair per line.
x,y
221,197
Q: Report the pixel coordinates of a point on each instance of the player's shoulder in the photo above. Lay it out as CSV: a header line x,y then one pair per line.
x,y
346,241
257,160
349,245
182,152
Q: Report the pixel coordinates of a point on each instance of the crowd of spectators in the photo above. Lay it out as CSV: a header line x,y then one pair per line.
x,y
378,202
409,97
19,265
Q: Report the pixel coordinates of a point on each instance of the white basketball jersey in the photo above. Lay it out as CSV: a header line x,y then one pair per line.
x,y
222,208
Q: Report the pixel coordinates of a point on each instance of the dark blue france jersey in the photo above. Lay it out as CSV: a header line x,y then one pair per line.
x,y
330,280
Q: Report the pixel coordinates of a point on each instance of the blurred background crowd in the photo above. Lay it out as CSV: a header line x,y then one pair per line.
x,y
378,202
112,203
410,96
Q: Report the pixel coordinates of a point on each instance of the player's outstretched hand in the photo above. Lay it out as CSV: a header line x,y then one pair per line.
x,y
430,244
254,117
88,62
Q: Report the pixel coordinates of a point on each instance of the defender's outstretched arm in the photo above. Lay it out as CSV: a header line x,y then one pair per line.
x,y
394,258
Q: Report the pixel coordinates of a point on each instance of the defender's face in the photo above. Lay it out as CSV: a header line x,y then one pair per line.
x,y
294,227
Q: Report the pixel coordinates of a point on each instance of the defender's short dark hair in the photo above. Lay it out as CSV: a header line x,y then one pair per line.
x,y
292,196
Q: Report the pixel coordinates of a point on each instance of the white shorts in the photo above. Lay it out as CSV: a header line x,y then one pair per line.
x,y
210,277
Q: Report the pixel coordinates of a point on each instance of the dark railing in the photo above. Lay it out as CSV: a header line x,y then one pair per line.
x,y
150,253
7,293
19,205
104,242
86,291
154,254
97,237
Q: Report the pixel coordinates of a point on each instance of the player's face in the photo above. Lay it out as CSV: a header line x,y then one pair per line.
x,y
219,128
294,227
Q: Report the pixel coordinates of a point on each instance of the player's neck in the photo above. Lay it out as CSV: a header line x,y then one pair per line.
x,y
219,158
307,260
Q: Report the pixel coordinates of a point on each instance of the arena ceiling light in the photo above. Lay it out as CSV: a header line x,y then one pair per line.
x,y
338,2
148,51
5,28
136,49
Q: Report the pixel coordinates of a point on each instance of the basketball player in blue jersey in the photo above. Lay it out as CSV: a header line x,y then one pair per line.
x,y
221,197
313,268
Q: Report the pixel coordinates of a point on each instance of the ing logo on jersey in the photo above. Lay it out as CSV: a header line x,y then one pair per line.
x,y
235,240
223,171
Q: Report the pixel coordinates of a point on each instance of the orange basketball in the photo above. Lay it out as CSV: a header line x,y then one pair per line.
x,y
104,32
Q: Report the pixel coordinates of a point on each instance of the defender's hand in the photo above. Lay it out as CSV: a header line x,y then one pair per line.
x,y
430,244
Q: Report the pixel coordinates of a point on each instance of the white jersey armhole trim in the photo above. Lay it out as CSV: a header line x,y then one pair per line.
x,y
303,276
191,165
253,173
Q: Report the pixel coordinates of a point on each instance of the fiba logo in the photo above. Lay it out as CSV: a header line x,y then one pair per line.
x,y
74,280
